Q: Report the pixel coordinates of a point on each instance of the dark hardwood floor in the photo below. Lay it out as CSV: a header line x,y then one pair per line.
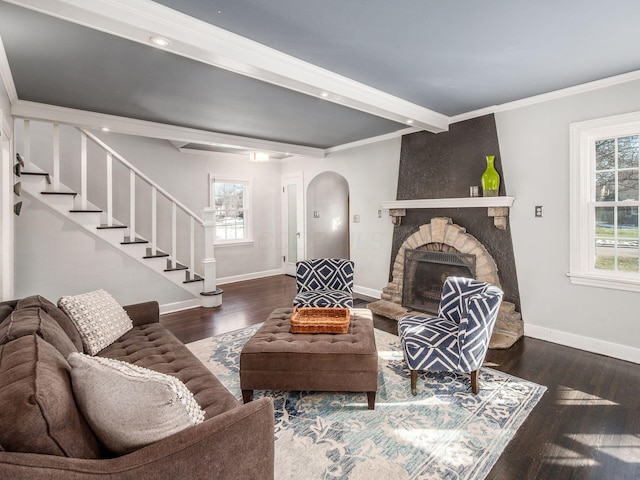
x,y
586,426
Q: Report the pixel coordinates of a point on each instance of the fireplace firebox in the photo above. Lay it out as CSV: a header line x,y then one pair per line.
x,y
425,272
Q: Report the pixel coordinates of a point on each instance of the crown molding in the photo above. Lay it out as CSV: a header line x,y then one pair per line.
x,y
143,128
6,76
206,43
546,97
370,140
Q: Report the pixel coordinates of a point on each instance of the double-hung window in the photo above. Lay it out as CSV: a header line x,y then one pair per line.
x,y
231,200
605,198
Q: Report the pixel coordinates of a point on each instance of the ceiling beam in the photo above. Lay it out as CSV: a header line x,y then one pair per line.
x,y
143,128
206,43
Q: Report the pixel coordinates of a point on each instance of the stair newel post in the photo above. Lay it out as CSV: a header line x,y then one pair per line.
x,y
56,157
27,144
174,233
83,171
109,190
154,220
211,296
132,206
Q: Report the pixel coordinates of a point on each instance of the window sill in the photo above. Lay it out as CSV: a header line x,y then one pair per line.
x,y
603,281
233,243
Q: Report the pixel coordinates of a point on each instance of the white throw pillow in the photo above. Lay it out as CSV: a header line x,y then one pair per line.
x,y
129,406
100,320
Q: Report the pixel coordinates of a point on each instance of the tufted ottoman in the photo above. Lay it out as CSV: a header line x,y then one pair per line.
x,y
276,359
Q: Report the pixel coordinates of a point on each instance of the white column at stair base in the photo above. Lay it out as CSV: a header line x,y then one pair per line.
x,y
211,295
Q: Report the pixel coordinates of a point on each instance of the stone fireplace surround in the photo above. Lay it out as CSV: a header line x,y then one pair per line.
x,y
441,234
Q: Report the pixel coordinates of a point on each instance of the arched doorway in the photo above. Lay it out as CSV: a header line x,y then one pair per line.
x,y
328,216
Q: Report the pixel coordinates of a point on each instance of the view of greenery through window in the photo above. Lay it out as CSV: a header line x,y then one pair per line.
x,y
616,203
230,210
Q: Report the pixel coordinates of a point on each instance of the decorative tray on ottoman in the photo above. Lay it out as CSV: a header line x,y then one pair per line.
x,y
320,320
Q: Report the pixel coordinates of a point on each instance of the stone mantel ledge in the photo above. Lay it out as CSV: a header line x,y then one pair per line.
x,y
497,207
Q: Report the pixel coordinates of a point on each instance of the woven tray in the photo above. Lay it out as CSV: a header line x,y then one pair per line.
x,y
320,320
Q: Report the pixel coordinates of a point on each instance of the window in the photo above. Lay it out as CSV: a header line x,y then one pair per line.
x,y
231,203
605,198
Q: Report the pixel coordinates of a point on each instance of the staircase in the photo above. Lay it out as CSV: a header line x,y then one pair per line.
x,y
98,221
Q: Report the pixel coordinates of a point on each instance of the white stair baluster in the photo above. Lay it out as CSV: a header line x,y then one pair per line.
x,y
132,206
109,189
192,264
174,232
27,144
83,171
154,220
56,157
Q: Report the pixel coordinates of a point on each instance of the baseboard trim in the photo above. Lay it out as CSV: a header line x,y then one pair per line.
x,y
369,292
178,306
250,276
593,345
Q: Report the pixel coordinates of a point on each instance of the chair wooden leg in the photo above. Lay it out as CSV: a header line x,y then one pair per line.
x,y
414,381
475,388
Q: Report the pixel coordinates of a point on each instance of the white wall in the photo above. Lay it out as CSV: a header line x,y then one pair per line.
x,y
54,257
372,174
6,198
534,145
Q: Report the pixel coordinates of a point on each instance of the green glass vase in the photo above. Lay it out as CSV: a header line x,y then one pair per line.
x,y
490,179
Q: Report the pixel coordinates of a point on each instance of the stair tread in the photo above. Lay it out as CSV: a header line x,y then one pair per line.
x,y
43,174
105,227
50,192
85,211
176,268
128,241
158,254
196,278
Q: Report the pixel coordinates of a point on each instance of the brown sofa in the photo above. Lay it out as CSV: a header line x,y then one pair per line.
x,y
43,434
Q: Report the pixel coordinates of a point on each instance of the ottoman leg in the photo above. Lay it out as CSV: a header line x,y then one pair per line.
x,y
371,400
247,396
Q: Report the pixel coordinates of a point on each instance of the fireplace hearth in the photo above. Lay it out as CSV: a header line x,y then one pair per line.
x,y
425,272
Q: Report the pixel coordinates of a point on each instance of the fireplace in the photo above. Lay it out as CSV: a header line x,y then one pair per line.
x,y
442,239
425,272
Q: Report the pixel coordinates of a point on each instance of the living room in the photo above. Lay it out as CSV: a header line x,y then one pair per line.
x,y
534,135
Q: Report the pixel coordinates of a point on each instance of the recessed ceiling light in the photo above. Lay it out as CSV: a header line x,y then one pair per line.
x,y
410,122
160,41
105,129
324,94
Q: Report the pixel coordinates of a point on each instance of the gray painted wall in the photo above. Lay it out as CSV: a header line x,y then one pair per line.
x,y
534,142
328,216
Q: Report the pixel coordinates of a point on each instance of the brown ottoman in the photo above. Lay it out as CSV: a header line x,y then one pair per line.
x,y
276,359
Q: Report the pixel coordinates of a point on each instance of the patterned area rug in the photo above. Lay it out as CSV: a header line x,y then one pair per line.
x,y
445,432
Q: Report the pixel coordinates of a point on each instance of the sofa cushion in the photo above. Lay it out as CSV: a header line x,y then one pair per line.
x,y
129,406
5,311
29,321
153,346
100,320
38,412
58,315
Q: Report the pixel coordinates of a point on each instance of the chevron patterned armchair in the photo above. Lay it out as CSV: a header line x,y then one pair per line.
x,y
458,338
324,282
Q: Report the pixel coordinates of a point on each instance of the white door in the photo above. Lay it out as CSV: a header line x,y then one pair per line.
x,y
293,243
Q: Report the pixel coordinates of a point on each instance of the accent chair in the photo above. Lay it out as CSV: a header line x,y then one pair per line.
x,y
458,338
324,282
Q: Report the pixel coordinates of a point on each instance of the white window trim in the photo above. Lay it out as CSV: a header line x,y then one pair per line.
x,y
248,240
581,238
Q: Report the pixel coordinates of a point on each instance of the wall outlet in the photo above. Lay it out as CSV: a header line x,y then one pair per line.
x,y
316,214
356,218
379,213
538,210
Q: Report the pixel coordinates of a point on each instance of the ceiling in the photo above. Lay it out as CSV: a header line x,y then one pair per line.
x,y
316,74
